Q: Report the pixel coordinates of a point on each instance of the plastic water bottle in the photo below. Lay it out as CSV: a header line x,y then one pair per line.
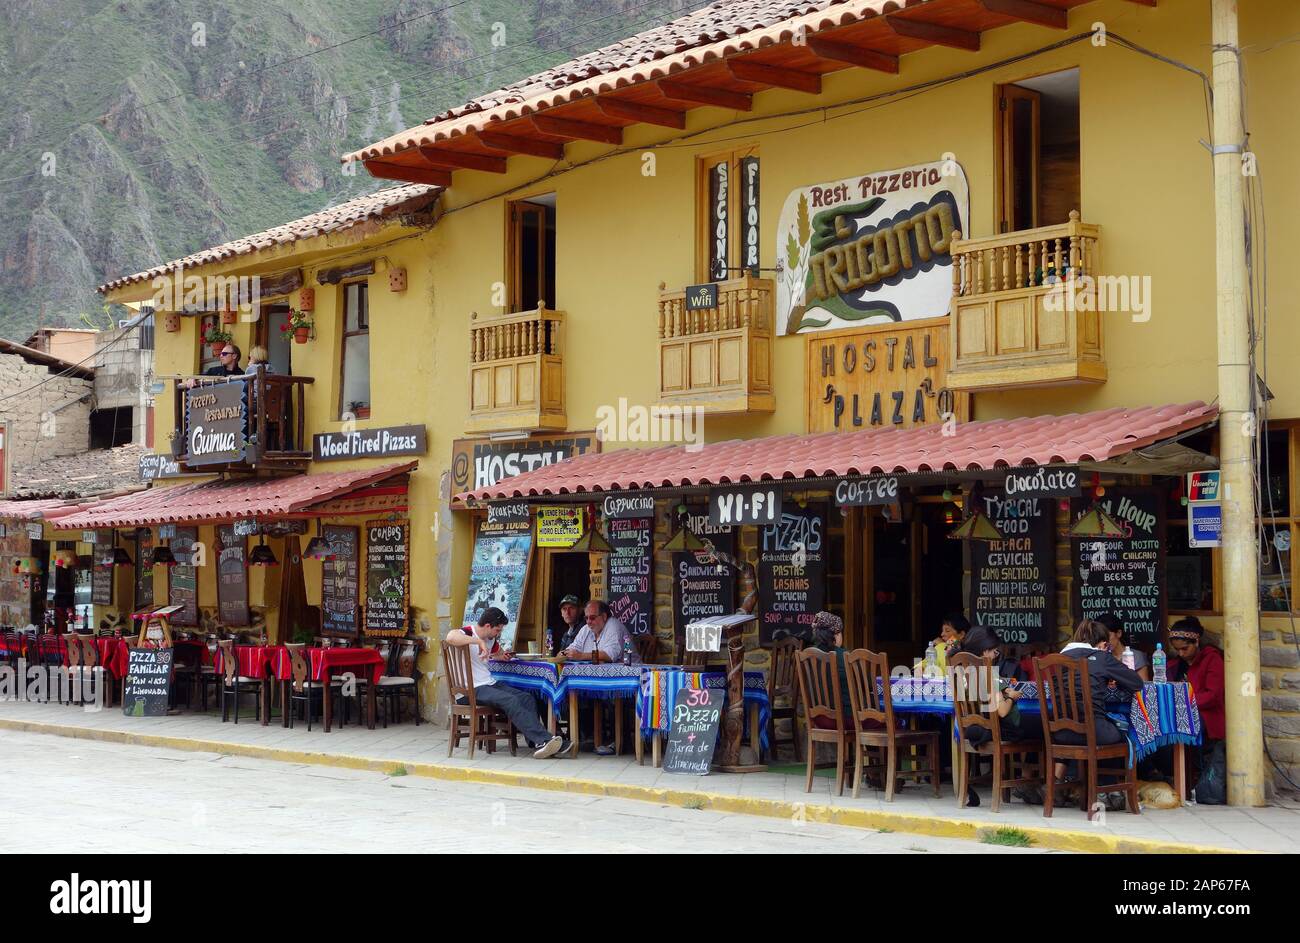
x,y
627,650
1129,660
931,661
1158,660
550,644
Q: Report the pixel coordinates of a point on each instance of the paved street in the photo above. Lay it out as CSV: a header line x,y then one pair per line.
x,y
83,796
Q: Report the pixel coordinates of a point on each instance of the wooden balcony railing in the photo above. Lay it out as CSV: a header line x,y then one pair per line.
x,y
1006,331
516,372
721,358
273,429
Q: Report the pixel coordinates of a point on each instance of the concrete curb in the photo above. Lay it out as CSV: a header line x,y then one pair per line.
x,y
934,826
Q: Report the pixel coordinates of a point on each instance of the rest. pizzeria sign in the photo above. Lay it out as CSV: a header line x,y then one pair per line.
x,y
870,250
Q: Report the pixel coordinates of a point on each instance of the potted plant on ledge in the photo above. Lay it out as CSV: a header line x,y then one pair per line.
x,y
297,326
218,339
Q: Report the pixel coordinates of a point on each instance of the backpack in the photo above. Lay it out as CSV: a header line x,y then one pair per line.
x,y
1213,787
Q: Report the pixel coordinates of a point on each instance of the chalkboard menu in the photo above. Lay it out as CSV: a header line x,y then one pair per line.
x,y
338,590
143,569
146,689
703,585
791,571
697,717
101,573
1125,576
183,579
1013,581
631,590
387,577
232,576
498,572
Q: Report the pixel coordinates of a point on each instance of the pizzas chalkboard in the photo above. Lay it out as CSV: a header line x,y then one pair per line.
x,y
338,591
146,689
703,585
101,572
183,581
791,571
1125,575
232,576
631,572
697,717
1013,581
387,576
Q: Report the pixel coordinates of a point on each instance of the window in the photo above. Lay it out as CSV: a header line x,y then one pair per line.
x,y
1190,571
1038,151
354,387
207,323
727,214
112,427
531,253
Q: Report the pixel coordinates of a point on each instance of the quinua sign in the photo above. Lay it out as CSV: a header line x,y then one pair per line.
x,y
871,249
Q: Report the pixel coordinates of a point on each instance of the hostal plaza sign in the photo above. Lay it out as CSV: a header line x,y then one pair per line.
x,y
216,423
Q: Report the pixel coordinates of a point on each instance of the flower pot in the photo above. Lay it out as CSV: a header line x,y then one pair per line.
x,y
218,347
306,299
300,334
172,322
228,316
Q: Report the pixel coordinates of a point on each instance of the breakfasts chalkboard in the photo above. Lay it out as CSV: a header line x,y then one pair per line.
x,y
338,591
631,569
704,584
1125,575
697,717
183,580
232,576
1013,580
791,571
146,689
387,576
101,573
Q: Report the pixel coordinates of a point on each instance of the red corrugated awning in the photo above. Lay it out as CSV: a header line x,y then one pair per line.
x,y
32,510
972,446
215,501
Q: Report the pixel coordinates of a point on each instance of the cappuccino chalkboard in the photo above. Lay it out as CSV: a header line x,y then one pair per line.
x,y
338,590
1125,576
631,569
232,577
387,584
697,718
146,689
791,571
1013,581
183,582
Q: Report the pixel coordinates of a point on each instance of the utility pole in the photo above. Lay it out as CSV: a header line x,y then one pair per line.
x,y
1237,426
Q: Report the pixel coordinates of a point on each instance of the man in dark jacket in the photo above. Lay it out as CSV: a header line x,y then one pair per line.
x,y
1105,674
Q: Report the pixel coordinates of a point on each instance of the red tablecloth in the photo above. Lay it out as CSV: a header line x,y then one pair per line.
x,y
366,662
253,659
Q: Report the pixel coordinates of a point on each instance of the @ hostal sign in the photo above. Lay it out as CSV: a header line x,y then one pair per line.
x,y
880,378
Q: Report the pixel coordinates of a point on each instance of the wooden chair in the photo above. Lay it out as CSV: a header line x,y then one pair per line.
x,y
302,689
695,661
1065,698
782,683
648,648
82,659
234,685
402,680
873,703
819,689
484,725
973,681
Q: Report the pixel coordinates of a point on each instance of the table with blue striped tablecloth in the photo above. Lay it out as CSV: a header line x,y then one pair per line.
x,y
554,681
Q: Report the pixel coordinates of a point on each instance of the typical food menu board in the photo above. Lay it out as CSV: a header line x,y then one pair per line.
x,y
697,717
1125,576
703,583
183,578
791,571
1013,580
338,592
387,583
232,577
101,573
631,569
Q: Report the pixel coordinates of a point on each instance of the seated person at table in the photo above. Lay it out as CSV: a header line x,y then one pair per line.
x,y
1014,724
828,636
571,623
519,706
951,635
1105,674
1201,666
1119,644
601,639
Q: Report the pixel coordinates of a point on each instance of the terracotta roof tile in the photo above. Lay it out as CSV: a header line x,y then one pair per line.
x,y
94,471
30,509
976,446
386,202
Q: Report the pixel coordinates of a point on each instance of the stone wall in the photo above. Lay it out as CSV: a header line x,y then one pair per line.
x,y
1279,660
50,421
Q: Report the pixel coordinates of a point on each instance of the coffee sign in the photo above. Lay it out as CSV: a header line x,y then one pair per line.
x,y
1043,482
759,504
216,423
369,443
867,492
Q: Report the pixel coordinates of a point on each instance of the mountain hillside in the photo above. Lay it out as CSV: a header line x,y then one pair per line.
x,y
137,131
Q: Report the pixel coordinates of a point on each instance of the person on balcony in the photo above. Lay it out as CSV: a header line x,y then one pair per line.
x,y
258,360
228,367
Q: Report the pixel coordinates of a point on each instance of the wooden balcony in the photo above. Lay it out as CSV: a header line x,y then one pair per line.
x,y
271,434
1006,332
719,359
516,372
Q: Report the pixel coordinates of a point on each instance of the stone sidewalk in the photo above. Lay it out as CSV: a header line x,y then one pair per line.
x,y
422,751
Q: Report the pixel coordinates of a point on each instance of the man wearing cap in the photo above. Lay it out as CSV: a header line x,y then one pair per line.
x,y
571,623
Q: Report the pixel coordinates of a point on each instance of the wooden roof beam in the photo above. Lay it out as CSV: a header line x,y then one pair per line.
x,y
701,95
386,171
934,33
649,114
748,70
1031,11
854,55
580,130
461,160
512,144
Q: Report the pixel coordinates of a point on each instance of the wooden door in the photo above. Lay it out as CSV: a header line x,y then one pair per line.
x,y
1018,148
529,260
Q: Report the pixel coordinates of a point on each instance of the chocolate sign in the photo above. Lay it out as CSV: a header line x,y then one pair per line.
x,y
1043,482
751,504
866,492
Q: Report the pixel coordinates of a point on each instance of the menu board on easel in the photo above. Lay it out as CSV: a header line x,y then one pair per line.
x,y
232,576
101,573
338,590
1013,580
791,571
1125,575
631,572
387,577
183,578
